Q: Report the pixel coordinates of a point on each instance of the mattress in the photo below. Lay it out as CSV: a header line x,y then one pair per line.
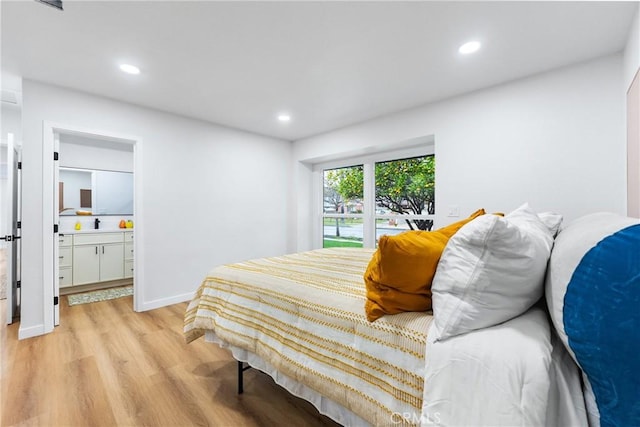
x,y
304,314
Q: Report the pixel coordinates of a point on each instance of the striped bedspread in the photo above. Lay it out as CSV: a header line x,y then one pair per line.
x,y
304,314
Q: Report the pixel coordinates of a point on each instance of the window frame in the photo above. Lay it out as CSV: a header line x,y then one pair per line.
x,y
369,216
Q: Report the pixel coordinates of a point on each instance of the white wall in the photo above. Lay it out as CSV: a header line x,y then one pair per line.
x,y
632,52
556,140
74,180
113,192
85,153
211,195
11,122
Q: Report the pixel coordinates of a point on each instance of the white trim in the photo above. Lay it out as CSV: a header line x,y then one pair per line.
x,y
31,331
318,204
12,212
369,206
405,216
163,302
374,151
56,239
384,156
385,216
419,147
48,207
138,228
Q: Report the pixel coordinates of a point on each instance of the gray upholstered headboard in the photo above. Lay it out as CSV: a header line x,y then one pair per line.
x,y
593,294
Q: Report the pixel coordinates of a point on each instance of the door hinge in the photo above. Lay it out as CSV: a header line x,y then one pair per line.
x,y
18,284
19,224
55,300
19,165
55,228
55,155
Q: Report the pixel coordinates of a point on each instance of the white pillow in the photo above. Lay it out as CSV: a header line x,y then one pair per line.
x,y
552,220
491,270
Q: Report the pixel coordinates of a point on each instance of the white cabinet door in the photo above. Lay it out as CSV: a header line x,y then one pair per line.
x,y
111,261
128,269
65,263
86,264
128,254
65,257
65,276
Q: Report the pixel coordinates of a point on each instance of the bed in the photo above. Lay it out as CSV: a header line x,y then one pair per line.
x,y
300,319
302,314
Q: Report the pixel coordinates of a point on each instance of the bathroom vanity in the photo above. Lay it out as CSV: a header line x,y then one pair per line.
x,y
101,258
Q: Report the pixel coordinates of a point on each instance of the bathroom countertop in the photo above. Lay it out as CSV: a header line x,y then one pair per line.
x,y
91,230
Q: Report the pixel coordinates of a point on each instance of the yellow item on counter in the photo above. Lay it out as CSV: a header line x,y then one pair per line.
x,y
78,225
129,224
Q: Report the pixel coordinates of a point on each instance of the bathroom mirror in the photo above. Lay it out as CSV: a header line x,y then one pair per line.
x,y
95,192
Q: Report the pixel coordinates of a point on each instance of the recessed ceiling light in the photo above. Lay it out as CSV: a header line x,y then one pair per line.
x,y
469,47
130,69
284,117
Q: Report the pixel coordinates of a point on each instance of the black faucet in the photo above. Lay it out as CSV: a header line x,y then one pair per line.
x,y
97,223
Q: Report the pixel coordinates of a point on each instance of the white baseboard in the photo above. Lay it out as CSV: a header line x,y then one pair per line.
x,y
31,331
163,302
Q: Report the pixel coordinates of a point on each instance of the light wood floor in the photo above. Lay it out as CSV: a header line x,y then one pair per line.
x,y
107,365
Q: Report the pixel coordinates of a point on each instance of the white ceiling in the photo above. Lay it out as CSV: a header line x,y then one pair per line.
x,y
329,64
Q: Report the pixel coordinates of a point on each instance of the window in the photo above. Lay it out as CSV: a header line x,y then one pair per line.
x,y
405,195
366,198
343,206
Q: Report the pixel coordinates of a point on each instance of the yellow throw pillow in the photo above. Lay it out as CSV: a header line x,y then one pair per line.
x,y
399,275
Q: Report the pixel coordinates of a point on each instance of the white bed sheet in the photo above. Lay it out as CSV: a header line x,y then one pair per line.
x,y
513,374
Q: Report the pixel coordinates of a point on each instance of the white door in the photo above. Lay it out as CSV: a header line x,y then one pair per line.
x,y
12,232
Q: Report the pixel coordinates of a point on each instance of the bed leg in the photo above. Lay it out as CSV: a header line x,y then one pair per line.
x,y
241,369
240,379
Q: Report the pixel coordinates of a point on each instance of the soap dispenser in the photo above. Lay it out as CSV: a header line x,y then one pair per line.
x,y
97,223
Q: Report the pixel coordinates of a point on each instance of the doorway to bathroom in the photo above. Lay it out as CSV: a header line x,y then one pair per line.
x,y
95,214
